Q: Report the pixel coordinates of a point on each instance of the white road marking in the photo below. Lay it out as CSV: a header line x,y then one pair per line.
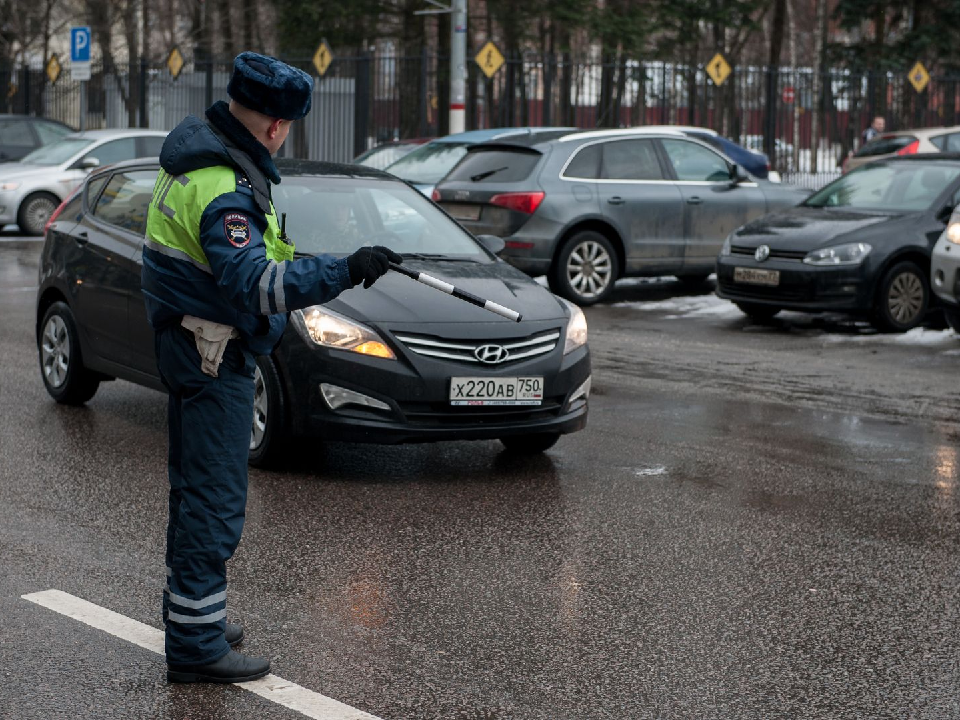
x,y
273,688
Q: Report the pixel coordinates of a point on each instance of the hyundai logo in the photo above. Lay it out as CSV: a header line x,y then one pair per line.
x,y
491,354
762,253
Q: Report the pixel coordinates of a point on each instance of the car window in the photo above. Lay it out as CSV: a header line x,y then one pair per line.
x,y
947,143
94,187
692,162
384,156
50,132
125,199
17,133
885,145
630,160
150,146
586,163
114,151
495,166
429,163
337,215
904,187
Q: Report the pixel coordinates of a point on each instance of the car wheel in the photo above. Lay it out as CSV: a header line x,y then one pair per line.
x,y
34,212
585,269
61,365
902,298
953,318
269,412
530,444
756,311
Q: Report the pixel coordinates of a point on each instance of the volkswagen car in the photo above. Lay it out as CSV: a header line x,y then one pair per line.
x,y
861,245
399,362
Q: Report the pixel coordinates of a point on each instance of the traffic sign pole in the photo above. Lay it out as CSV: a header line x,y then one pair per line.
x,y
458,66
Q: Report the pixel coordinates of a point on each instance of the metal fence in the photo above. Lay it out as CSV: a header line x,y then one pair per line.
x,y
810,123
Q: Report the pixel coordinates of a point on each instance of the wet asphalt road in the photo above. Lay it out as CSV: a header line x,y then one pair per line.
x,y
758,522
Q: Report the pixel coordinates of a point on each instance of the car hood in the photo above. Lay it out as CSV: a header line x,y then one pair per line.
x,y
808,228
396,298
22,171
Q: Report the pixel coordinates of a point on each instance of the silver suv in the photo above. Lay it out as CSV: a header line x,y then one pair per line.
x,y
589,207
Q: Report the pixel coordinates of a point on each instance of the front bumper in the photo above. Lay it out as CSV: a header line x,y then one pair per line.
x,y
945,271
416,391
807,288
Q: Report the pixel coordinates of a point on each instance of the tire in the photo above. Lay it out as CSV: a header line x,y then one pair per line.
x,y
530,444
952,317
61,364
758,312
903,296
267,433
34,212
585,269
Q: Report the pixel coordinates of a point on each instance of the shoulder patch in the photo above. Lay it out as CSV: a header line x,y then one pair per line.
x,y
236,227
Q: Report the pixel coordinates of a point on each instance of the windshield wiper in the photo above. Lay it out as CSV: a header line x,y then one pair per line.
x,y
480,176
435,256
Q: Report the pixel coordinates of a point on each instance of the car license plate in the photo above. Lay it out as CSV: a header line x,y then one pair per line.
x,y
496,391
756,277
463,212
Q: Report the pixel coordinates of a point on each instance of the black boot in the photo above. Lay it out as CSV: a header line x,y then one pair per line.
x,y
233,634
231,668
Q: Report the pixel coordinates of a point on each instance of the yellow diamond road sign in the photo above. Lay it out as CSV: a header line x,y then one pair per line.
x,y
175,63
53,68
919,77
489,59
322,58
718,69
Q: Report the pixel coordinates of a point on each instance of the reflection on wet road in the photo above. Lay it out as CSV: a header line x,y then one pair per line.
x,y
697,552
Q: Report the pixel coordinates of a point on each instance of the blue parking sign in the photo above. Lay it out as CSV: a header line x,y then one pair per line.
x,y
80,44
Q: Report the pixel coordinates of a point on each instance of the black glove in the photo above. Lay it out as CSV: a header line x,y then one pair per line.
x,y
369,263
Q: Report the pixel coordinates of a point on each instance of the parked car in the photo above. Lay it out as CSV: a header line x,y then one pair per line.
x,y
387,153
397,363
905,142
427,165
753,160
945,270
21,134
31,189
860,245
589,207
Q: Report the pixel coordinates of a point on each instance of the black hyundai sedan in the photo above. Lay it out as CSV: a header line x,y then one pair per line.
x,y
399,362
861,245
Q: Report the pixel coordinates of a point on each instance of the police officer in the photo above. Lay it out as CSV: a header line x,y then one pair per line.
x,y
218,281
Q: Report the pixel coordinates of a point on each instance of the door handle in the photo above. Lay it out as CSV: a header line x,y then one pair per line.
x,y
616,200
81,238
694,200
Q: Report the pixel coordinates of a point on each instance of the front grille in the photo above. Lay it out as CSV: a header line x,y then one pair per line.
x,y
444,414
782,254
465,350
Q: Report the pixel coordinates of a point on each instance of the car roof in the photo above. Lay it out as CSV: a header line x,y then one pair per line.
x,y
116,133
947,158
288,166
479,136
622,132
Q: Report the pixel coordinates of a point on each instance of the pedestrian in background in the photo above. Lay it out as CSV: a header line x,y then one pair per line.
x,y
875,129
218,281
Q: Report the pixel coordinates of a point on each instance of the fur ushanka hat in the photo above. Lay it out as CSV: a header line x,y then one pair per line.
x,y
271,87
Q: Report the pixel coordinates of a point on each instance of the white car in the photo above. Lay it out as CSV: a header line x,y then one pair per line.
x,y
30,190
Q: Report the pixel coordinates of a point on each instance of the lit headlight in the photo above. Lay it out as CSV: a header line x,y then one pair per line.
x,y
725,250
953,233
9,186
849,254
576,328
327,328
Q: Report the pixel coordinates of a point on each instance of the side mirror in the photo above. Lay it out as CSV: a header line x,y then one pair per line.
x,y
737,175
88,163
492,243
945,213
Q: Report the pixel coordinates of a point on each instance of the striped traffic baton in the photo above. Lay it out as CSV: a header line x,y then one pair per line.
x,y
457,292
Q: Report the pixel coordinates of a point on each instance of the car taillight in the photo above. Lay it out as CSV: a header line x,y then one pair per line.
x,y
435,195
910,149
525,202
53,216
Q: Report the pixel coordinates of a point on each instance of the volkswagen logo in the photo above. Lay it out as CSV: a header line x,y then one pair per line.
x,y
491,354
762,253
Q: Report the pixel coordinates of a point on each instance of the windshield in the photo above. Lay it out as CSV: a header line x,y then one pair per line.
x,y
56,153
891,187
383,156
428,164
338,215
